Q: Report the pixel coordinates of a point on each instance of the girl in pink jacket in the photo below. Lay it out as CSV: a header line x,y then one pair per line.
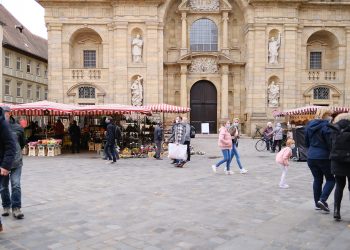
x,y
282,158
225,143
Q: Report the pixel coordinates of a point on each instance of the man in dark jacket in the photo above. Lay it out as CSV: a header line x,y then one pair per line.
x,y
158,137
7,149
111,136
74,132
13,200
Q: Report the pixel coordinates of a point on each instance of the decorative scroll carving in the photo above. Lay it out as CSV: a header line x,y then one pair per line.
x,y
204,5
204,65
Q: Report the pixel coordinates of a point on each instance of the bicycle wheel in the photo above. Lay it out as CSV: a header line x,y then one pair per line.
x,y
260,145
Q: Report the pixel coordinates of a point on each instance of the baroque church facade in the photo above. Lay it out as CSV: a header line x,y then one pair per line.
x,y
222,58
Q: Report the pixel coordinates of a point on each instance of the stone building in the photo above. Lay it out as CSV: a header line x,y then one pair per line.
x,y
23,68
223,58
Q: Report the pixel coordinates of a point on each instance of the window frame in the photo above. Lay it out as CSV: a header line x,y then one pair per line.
x,y
89,60
90,94
319,88
46,93
196,34
37,93
321,59
29,90
29,64
38,66
7,62
19,89
19,63
7,84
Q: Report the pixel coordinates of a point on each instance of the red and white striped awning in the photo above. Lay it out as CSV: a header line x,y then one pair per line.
x,y
42,108
110,109
166,108
309,110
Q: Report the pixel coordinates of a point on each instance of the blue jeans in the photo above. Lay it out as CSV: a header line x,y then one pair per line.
x,y
320,168
110,152
227,159
234,152
13,201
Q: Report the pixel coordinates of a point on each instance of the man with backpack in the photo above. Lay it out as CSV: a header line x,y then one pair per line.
x,y
7,149
13,200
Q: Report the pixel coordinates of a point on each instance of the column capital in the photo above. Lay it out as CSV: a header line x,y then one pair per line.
x,y
225,16
183,16
54,26
183,69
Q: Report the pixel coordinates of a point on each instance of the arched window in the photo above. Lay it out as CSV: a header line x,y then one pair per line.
x,y
321,93
204,35
86,92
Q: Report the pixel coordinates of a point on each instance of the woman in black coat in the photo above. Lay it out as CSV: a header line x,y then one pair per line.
x,y
340,158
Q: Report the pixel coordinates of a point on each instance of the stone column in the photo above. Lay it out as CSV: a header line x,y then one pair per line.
x,y
183,89
184,33
55,67
120,60
224,92
347,70
225,33
1,56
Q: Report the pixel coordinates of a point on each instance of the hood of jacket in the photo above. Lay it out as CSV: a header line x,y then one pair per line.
x,y
316,124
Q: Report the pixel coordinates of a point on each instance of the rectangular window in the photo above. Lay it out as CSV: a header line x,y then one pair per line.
x,y
38,89
321,93
19,88
45,73
46,94
7,87
19,63
38,69
7,59
89,58
29,69
29,92
315,60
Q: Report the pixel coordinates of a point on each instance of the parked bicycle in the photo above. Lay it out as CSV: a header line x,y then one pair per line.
x,y
260,145
258,133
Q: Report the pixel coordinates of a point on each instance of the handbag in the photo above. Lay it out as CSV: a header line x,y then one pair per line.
x,y
177,151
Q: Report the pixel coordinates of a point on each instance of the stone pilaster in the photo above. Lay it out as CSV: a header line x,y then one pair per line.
x,y
224,92
151,82
225,19
120,60
183,86
184,33
55,66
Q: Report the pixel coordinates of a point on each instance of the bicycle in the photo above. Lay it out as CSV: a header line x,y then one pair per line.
x,y
260,145
258,133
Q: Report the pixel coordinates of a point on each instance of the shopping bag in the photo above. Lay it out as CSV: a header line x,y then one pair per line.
x,y
177,151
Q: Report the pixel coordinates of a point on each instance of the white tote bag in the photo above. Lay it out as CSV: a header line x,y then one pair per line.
x,y
177,151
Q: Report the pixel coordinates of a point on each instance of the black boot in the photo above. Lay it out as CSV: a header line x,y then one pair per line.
x,y
336,214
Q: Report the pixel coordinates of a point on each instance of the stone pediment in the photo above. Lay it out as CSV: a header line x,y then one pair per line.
x,y
200,6
220,58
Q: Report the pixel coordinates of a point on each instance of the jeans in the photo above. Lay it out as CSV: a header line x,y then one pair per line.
x,y
158,149
320,168
275,143
269,143
111,152
339,188
234,152
13,201
188,150
227,159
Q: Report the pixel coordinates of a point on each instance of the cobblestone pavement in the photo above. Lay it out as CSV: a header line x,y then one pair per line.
x,y
79,202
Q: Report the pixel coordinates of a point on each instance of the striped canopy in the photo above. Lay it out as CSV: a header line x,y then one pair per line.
x,y
42,108
166,108
110,109
309,110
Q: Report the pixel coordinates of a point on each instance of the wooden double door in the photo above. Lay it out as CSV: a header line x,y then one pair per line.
x,y
203,101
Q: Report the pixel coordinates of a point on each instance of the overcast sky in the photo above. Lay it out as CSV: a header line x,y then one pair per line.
x,y
29,13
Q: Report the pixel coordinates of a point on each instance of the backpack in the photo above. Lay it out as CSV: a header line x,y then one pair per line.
x,y
340,143
193,132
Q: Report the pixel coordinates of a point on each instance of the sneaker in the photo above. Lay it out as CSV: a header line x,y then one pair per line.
x,y
317,208
284,186
243,171
17,213
6,211
323,205
214,168
229,172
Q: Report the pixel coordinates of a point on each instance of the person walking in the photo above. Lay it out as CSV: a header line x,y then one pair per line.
x,y
225,144
234,131
277,133
158,138
268,136
340,158
178,137
317,140
187,138
13,200
282,159
111,136
59,130
74,133
7,150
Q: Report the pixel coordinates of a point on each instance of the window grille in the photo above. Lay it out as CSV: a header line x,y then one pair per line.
x,y
7,59
204,35
315,60
86,92
19,63
89,58
321,93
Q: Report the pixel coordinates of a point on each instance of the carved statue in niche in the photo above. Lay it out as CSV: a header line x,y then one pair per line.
x,y
204,65
137,92
274,45
137,46
273,91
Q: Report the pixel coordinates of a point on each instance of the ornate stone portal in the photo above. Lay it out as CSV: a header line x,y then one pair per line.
x,y
204,5
204,65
